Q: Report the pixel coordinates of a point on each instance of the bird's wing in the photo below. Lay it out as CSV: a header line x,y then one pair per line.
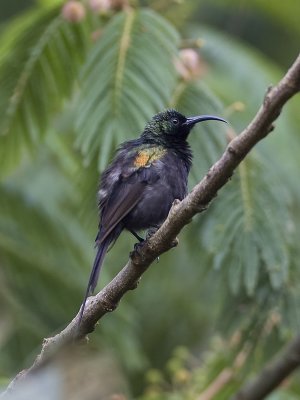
x,y
127,192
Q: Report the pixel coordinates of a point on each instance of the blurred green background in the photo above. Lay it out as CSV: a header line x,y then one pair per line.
x,y
77,79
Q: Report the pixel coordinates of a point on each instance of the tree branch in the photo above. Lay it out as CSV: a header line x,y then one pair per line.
x,y
180,215
273,374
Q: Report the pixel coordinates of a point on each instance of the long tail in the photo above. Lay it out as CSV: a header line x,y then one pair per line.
x,y
102,250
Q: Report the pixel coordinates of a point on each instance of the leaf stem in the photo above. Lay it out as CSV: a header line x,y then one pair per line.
x,y
124,46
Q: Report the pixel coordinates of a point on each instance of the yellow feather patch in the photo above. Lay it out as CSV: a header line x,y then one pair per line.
x,y
141,159
147,156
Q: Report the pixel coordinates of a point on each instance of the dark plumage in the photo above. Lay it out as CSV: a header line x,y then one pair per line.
x,y
145,177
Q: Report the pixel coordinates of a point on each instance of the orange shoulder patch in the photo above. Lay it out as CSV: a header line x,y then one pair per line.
x,y
142,158
145,157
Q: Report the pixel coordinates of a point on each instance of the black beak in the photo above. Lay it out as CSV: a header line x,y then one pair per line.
x,y
194,120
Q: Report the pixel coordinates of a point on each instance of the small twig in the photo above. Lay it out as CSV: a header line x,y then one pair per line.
x,y
225,376
180,215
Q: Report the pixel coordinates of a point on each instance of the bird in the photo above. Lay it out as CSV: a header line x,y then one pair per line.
x,y
138,188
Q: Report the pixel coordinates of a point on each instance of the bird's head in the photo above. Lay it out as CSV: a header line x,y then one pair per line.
x,y
171,126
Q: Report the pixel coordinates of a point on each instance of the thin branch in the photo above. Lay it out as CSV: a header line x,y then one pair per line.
x,y
180,215
273,374
225,376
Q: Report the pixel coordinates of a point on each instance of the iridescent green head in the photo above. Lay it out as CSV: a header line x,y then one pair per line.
x,y
170,125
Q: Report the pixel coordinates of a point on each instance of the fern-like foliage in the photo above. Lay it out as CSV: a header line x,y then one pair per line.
x,y
32,240
128,77
40,58
62,84
239,230
244,235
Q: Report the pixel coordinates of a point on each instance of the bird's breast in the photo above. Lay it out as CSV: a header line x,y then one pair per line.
x,y
157,198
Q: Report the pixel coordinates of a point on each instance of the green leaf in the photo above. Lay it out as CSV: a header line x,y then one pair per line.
x,y
40,69
235,274
241,226
128,77
249,250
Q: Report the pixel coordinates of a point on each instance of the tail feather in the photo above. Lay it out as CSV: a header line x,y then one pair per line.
x,y
102,250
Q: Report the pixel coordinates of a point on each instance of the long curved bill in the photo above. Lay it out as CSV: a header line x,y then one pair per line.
x,y
200,118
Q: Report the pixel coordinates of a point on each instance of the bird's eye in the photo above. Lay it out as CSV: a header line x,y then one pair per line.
x,y
175,121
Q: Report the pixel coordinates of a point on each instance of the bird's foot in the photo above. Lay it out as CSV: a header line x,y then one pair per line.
x,y
138,246
136,249
151,231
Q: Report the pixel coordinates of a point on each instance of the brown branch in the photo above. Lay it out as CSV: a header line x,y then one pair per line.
x,y
180,215
273,374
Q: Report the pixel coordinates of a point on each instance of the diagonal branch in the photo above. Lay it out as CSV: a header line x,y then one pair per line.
x,y
180,215
273,374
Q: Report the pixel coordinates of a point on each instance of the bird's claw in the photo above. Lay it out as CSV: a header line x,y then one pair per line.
x,y
136,249
137,246
151,231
